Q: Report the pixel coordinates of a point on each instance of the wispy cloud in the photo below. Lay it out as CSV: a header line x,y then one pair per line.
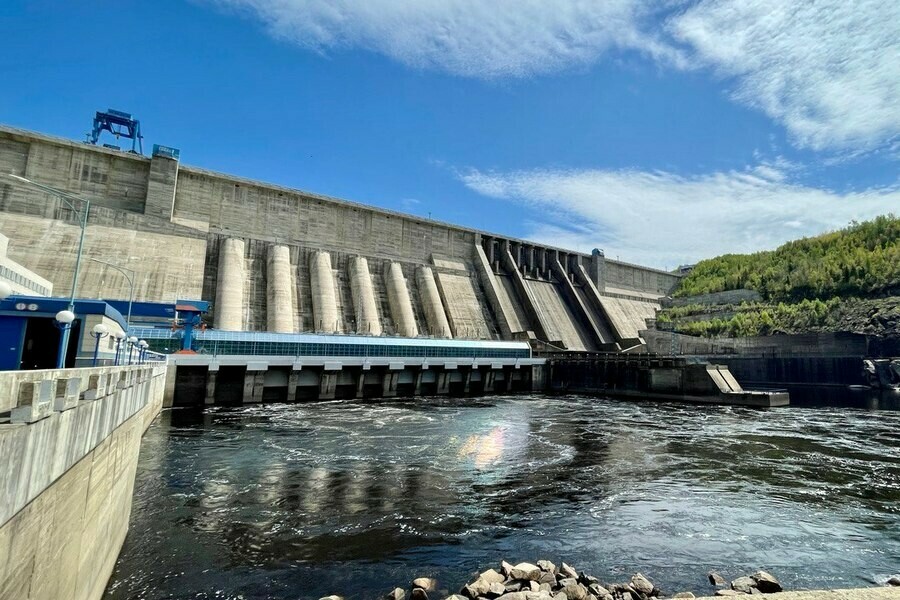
x,y
472,38
663,219
829,71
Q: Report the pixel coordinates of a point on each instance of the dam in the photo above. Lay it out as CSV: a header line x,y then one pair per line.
x,y
273,259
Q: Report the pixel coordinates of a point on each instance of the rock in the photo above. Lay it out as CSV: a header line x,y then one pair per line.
x,y
505,568
513,596
513,586
332,598
598,590
729,593
418,593
455,597
538,596
546,587
894,581
560,596
766,583
627,596
534,586
586,579
575,591
641,584
684,595
396,594
743,584
755,592
525,571
716,579
495,590
568,571
547,577
546,566
426,583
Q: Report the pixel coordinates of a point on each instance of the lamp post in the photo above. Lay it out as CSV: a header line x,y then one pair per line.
x,y
130,279
143,351
98,332
119,335
64,320
69,200
132,342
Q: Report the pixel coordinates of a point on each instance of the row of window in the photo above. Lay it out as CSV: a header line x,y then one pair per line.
x,y
17,278
216,347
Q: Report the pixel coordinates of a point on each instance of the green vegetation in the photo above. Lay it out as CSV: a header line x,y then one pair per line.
x,y
862,260
840,281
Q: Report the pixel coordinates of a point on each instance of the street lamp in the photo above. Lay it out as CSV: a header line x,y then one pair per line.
x,y
119,335
64,320
132,342
143,351
130,279
69,200
98,332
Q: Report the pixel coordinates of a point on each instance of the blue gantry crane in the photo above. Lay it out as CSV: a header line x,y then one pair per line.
x,y
120,124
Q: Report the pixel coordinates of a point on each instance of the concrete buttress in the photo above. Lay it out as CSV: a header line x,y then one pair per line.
x,y
399,301
230,288
431,302
280,304
364,306
324,301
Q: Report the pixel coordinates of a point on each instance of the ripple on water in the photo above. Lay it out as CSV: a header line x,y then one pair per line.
x,y
281,501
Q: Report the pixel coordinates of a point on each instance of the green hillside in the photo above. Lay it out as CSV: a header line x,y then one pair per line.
x,y
848,280
862,260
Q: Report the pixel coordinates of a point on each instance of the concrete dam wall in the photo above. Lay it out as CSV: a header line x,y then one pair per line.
x,y
276,259
70,441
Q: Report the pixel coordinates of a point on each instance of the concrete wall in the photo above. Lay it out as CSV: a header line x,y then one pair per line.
x,y
67,475
169,222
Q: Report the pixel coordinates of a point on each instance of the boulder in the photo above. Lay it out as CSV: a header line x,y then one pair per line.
x,y
743,584
455,597
684,595
505,568
567,571
567,581
546,587
514,586
546,566
716,579
525,571
560,596
547,577
627,596
894,581
575,591
494,590
396,594
729,593
538,596
534,586
766,583
598,590
418,593
513,596
492,576
641,584
332,598
426,583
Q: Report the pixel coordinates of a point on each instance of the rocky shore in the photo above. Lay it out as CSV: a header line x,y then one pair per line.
x,y
544,580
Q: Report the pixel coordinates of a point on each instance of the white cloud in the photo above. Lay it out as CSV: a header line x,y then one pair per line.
x,y
663,219
828,70
473,38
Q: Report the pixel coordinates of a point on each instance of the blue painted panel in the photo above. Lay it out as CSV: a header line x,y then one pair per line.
x,y
12,334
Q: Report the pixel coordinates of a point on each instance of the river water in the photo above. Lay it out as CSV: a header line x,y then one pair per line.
x,y
300,501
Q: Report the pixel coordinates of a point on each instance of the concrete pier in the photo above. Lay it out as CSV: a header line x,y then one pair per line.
x,y
230,289
280,305
364,306
399,301
431,303
324,301
70,452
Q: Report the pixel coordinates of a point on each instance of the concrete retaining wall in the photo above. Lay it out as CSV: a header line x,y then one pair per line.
x,y
67,475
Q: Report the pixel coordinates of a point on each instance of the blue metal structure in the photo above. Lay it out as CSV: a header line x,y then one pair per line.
x,y
120,124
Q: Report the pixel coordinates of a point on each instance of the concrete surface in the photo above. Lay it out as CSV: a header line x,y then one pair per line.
x,y
854,594
67,480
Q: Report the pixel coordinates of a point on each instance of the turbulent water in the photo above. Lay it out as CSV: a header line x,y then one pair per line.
x,y
300,501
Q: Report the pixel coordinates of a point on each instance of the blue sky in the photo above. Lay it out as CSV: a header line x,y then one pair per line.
x,y
663,132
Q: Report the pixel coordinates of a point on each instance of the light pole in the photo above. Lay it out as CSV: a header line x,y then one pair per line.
x,y
98,332
69,200
64,320
132,342
119,335
130,279
143,351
